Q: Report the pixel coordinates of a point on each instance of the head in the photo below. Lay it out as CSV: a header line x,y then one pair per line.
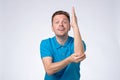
x,y
60,23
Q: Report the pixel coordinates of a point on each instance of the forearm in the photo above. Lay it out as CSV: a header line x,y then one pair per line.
x,y
78,45
57,66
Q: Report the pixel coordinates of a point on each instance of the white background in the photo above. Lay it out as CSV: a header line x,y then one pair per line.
x,y
24,23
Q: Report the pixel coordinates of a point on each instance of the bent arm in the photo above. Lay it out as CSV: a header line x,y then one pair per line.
x,y
51,67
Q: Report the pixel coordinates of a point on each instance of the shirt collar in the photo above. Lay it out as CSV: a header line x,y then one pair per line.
x,y
57,45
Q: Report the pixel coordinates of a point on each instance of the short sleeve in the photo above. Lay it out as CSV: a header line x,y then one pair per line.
x,y
45,49
84,45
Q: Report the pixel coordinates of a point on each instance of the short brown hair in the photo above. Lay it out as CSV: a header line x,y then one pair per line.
x,y
61,12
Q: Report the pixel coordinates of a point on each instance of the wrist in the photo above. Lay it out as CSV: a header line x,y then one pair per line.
x,y
69,59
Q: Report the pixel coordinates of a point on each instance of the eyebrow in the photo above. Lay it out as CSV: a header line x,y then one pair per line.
x,y
63,19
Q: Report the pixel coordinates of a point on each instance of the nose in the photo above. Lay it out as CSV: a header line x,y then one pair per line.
x,y
61,23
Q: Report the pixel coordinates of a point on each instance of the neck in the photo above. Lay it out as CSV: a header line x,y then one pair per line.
x,y
61,39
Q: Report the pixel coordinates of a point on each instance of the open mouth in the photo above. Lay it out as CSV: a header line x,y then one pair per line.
x,y
61,29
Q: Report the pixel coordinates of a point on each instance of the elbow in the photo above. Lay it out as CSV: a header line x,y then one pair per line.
x,y
49,71
80,53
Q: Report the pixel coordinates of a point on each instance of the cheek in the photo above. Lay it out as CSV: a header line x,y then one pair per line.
x,y
54,28
68,27
54,25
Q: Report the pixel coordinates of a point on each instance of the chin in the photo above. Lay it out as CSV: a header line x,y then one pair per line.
x,y
61,35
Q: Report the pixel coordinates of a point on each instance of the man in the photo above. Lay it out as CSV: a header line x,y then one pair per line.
x,y
61,55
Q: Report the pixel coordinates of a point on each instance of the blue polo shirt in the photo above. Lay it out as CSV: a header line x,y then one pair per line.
x,y
50,47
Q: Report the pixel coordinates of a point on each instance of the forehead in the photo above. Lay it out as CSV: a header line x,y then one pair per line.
x,y
60,16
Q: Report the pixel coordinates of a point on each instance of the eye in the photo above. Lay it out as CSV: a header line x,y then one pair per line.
x,y
56,22
65,21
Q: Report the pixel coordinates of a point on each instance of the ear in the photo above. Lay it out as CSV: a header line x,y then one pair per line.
x,y
52,28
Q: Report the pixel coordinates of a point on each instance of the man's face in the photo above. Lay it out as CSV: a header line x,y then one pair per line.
x,y
60,25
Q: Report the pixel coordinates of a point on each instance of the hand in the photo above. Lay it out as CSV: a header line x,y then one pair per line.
x,y
77,58
74,18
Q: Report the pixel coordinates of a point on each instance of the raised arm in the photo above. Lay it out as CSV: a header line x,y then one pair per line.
x,y
78,46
